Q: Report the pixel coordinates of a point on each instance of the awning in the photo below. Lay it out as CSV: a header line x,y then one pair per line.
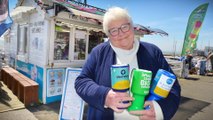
x,y
96,14
88,12
20,11
139,29
85,14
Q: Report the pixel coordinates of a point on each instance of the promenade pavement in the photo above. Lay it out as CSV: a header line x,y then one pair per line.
x,y
196,103
202,90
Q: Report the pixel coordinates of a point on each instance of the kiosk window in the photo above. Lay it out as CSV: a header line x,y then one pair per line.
x,y
95,38
22,39
80,44
61,43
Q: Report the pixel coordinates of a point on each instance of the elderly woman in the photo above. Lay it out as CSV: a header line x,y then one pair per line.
x,y
93,85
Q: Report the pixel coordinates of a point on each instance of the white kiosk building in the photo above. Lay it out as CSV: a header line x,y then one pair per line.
x,y
47,37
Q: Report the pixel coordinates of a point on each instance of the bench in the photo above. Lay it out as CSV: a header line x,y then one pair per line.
x,y
23,87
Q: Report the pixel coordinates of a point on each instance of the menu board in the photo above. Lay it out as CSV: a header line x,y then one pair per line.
x,y
55,79
72,105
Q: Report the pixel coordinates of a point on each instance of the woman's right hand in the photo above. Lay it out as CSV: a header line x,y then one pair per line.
x,y
114,100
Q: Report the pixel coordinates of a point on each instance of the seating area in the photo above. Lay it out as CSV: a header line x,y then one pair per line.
x,y
23,87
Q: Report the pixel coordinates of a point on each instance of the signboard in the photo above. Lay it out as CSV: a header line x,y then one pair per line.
x,y
72,105
55,81
193,28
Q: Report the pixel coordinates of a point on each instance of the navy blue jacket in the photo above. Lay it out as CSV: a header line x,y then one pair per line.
x,y
94,82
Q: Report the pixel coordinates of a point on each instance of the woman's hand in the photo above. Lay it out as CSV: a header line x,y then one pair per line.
x,y
148,114
114,100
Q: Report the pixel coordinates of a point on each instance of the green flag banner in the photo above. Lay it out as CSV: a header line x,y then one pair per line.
x,y
193,28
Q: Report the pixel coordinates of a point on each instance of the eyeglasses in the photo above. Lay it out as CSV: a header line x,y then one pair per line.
x,y
124,28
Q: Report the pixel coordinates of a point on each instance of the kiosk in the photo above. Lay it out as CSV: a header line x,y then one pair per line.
x,y
49,36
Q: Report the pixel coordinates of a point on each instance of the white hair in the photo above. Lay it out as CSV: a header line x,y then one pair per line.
x,y
115,13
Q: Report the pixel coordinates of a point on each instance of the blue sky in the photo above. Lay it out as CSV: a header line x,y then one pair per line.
x,y
168,15
12,4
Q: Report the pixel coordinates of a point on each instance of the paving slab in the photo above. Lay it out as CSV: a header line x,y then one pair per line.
x,y
19,114
199,88
8,101
196,103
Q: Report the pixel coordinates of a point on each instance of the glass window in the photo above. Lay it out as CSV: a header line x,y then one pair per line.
x,y
61,43
80,44
95,38
22,39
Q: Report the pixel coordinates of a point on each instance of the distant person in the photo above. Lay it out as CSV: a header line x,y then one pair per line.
x,y
189,58
202,66
93,85
210,58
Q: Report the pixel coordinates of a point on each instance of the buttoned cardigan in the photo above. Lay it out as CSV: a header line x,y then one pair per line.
x,y
94,81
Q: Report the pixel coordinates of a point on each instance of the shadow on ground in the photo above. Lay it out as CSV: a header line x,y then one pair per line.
x,y
189,107
4,97
53,107
46,111
192,78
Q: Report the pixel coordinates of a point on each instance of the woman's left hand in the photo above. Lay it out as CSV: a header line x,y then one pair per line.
x,y
148,114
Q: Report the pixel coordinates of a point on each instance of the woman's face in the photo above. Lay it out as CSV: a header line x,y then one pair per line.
x,y
121,34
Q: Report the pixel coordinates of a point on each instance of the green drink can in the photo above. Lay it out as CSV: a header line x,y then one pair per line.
x,y
140,86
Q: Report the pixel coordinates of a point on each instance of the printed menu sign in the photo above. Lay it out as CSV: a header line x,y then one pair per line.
x,y
72,105
55,79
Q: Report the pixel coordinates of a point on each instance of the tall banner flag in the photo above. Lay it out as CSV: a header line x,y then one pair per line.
x,y
5,19
193,28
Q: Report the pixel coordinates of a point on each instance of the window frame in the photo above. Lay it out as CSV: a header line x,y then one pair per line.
x,y
73,43
23,38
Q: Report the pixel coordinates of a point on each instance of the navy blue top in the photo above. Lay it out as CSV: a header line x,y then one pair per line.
x,y
94,82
